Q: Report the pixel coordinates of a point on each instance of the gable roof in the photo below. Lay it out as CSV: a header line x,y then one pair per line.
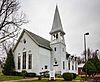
x,y
57,26
40,41
37,39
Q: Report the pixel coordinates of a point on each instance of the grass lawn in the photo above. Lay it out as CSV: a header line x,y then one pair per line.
x,y
46,81
5,78
58,80
78,78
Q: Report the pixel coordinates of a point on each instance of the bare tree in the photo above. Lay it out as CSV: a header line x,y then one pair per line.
x,y
10,16
95,54
10,39
10,21
89,54
79,60
9,13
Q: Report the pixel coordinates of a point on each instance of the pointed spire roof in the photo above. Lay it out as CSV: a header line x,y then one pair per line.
x,y
57,26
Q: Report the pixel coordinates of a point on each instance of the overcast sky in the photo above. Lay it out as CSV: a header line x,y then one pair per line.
x,y
77,17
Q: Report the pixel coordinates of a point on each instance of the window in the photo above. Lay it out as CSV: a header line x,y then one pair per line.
x,y
46,66
19,62
55,49
56,36
75,66
72,65
24,60
63,65
69,64
55,62
24,41
30,61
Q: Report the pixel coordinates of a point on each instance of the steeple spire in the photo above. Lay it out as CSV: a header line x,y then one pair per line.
x,y
57,26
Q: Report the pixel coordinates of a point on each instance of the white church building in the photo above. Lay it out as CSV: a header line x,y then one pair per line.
x,y
36,54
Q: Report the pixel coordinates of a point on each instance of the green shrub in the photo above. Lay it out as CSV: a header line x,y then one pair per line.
x,y
68,76
14,73
89,68
18,74
58,76
24,73
31,74
74,75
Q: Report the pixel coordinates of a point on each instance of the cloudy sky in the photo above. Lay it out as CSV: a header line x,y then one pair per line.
x,y
77,16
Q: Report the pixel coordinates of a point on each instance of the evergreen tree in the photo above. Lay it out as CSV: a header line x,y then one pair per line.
x,y
93,58
96,63
9,65
89,68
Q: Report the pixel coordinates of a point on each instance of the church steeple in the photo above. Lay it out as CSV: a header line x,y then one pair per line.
x,y
57,26
58,54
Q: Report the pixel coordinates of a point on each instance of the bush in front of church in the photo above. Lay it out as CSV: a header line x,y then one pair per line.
x,y
15,73
24,73
67,76
31,75
74,75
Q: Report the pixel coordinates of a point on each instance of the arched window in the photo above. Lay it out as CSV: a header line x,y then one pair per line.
x,y
29,61
69,64
19,62
56,36
24,60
